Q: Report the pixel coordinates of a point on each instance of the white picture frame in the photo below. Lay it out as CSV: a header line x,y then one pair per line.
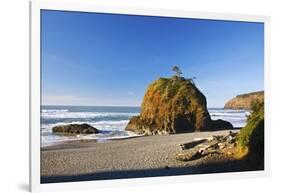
x,y
35,77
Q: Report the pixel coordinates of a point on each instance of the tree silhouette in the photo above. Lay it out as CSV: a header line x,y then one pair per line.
x,y
177,70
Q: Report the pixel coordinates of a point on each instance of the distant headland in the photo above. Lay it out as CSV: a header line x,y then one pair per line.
x,y
244,101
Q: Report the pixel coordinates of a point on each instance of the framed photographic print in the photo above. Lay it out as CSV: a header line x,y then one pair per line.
x,y
122,94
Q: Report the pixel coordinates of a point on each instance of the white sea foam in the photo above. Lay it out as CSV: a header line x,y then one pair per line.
x,y
108,130
53,110
111,137
236,117
101,125
229,114
73,115
50,140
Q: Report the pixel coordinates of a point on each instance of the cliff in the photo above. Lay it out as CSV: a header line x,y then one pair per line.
x,y
244,101
174,105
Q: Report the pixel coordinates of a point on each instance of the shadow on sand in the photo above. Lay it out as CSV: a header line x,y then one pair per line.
x,y
222,167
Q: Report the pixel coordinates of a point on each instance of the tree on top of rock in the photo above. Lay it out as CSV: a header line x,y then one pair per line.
x,y
177,71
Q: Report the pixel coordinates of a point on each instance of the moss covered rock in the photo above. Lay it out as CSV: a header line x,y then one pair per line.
x,y
174,105
250,141
251,137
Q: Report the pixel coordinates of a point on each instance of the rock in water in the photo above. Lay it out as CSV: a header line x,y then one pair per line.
x,y
174,105
245,101
75,129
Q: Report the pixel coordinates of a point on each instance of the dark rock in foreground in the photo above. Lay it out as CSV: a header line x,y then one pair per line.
x,y
174,105
75,129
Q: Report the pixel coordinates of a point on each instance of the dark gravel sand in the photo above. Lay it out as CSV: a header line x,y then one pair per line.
x,y
127,158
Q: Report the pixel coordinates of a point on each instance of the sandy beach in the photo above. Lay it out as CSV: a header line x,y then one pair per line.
x,y
127,158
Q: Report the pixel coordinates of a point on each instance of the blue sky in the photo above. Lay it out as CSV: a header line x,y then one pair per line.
x,y
105,59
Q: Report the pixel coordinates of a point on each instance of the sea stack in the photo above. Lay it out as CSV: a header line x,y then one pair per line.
x,y
174,105
245,101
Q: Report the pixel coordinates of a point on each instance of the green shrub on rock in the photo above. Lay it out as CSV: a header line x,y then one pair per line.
x,y
250,140
254,121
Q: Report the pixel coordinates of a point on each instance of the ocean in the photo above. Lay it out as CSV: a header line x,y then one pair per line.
x,y
111,121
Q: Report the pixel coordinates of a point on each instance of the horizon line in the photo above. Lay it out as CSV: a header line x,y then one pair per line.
x,y
105,105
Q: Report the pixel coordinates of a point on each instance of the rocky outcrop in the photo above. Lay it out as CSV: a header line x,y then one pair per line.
x,y
244,101
75,129
250,140
174,105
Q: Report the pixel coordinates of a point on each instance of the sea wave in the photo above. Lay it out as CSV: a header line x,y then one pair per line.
x,y
73,115
108,130
100,125
227,110
236,117
53,110
229,113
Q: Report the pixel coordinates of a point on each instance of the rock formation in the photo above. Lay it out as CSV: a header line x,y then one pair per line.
x,y
174,105
244,101
75,129
250,141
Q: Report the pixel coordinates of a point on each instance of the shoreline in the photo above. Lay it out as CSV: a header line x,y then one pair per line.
x,y
145,156
65,143
106,119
